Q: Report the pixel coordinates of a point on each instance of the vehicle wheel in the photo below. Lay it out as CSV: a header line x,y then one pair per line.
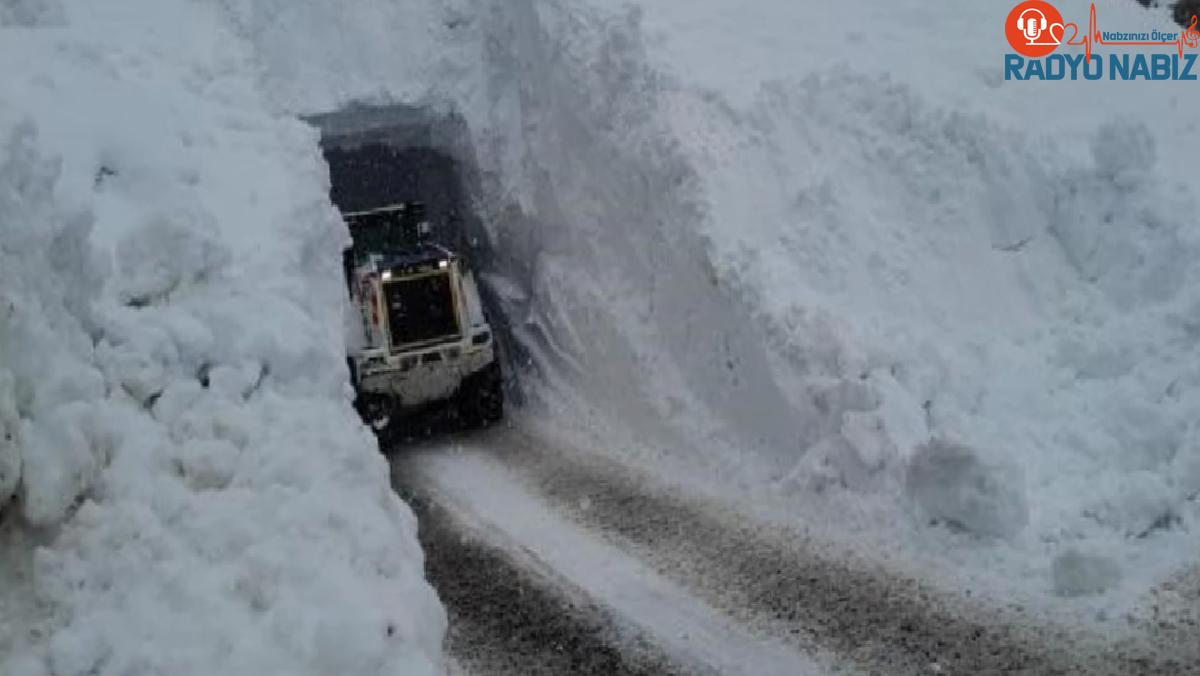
x,y
481,399
378,412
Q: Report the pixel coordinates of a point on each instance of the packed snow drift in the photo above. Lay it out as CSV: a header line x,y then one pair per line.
x,y
186,487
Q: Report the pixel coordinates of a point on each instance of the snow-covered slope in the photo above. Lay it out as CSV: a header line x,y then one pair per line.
x,y
982,294
193,492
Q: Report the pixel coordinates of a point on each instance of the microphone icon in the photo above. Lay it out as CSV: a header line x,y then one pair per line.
x,y
1035,28
1032,28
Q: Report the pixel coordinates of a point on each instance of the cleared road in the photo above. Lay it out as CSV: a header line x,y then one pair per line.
x,y
559,562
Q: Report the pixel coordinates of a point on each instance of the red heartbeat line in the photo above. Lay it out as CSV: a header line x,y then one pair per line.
x,y
1190,37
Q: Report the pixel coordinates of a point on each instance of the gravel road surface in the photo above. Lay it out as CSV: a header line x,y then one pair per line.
x,y
512,612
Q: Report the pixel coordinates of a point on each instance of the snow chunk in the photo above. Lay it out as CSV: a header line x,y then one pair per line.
x,y
951,483
167,254
1116,224
1078,574
62,460
1140,502
48,385
1124,151
1187,474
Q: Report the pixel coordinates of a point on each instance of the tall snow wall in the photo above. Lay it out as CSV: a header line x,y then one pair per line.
x,y
185,486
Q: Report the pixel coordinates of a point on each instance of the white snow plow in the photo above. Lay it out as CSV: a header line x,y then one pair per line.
x,y
425,339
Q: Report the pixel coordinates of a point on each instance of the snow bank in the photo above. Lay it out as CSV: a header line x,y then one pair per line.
x,y
997,267
914,259
192,491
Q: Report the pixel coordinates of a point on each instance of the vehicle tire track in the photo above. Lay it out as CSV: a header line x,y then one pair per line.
x,y
795,589
505,619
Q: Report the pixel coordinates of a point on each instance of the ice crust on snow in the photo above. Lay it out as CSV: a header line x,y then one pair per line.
x,y
193,492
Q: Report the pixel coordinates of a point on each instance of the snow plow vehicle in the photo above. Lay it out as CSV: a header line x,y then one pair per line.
x,y
426,342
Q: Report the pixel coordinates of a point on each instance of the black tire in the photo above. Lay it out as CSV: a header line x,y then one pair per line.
x,y
378,412
481,398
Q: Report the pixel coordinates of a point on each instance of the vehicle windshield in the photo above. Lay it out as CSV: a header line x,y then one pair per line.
x,y
420,309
